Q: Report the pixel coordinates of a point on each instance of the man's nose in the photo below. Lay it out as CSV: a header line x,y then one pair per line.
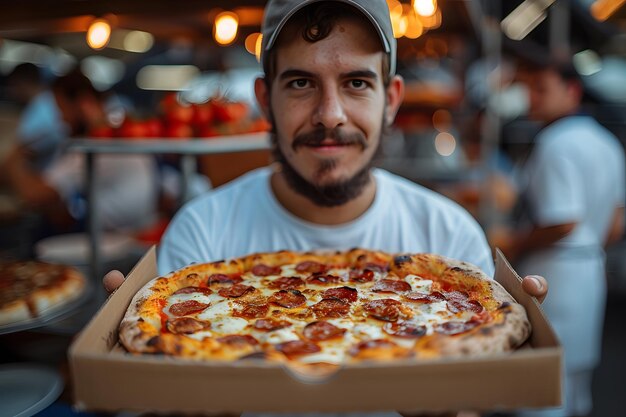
x,y
330,111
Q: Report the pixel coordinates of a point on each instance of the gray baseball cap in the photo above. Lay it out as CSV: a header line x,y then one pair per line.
x,y
278,13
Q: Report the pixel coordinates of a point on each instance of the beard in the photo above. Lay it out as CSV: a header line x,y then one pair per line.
x,y
335,193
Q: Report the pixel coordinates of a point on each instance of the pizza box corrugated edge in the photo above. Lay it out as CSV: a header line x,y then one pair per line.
x,y
105,378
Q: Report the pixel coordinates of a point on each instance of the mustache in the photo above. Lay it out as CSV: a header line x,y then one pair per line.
x,y
317,136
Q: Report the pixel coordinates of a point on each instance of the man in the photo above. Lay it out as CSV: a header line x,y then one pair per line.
x,y
574,199
330,91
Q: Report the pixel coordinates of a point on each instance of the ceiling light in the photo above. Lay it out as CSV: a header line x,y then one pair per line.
x,y
526,17
98,34
425,8
225,28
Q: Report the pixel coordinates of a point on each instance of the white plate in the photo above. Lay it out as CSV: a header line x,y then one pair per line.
x,y
26,389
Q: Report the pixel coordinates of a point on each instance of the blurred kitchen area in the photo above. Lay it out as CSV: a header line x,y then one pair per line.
x,y
177,78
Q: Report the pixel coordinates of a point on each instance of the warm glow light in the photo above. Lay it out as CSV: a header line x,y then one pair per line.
x,y
414,27
431,22
445,144
425,8
225,28
257,48
98,34
603,9
399,26
250,42
253,44
395,8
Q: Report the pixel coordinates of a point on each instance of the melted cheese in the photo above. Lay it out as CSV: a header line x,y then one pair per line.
x,y
286,334
419,284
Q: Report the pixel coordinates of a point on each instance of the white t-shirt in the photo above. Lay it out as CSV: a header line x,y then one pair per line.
x,y
576,174
244,217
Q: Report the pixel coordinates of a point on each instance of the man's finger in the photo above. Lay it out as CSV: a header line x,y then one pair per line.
x,y
535,285
112,280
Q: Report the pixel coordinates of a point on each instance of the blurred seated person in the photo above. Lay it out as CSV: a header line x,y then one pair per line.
x,y
50,181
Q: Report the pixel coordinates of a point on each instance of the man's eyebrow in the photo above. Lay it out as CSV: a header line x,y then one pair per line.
x,y
360,74
293,73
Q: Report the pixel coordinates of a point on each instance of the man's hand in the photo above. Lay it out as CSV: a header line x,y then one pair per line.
x,y
112,280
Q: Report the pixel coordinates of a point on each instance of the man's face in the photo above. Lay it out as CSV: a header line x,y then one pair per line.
x,y
550,96
328,103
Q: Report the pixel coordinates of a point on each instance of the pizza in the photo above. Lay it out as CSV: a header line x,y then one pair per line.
x,y
32,289
315,309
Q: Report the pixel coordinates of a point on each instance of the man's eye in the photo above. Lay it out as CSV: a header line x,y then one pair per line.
x,y
300,84
358,84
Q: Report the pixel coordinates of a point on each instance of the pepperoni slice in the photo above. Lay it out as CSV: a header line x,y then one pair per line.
x,y
405,329
187,325
456,306
421,297
391,285
371,344
377,267
191,290
287,283
271,324
187,307
455,327
322,330
297,348
252,311
238,339
288,298
386,309
459,301
347,294
235,290
323,279
262,270
365,275
311,267
331,308
223,279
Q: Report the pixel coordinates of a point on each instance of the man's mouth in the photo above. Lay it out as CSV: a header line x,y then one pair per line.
x,y
328,143
329,139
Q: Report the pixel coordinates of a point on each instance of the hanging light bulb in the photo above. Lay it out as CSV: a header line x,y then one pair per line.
x,y
425,8
98,34
225,28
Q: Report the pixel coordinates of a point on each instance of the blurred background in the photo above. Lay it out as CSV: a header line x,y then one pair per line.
x,y
182,73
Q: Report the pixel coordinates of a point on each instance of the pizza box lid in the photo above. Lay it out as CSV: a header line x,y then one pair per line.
x,y
106,378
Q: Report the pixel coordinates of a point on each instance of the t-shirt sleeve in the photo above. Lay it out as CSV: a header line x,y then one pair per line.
x,y
554,191
185,242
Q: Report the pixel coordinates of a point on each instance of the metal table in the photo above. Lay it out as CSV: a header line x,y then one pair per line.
x,y
189,149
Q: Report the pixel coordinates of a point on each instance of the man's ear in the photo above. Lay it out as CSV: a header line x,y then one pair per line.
x,y
262,93
395,95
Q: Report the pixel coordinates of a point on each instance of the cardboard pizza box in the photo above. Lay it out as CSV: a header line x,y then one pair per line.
x,y
107,378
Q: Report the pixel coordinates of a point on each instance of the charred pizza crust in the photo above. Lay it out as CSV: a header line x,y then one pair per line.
x,y
31,289
331,308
